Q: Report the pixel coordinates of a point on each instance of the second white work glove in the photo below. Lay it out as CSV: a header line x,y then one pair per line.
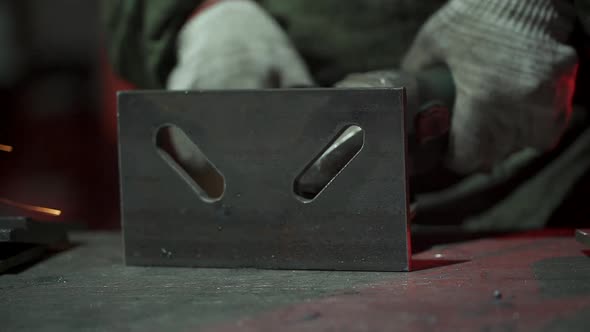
x,y
514,75
235,44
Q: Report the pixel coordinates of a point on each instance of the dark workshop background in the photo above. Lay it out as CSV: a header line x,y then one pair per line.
x,y
57,113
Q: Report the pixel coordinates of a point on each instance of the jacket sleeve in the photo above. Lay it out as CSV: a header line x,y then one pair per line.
x,y
583,11
140,37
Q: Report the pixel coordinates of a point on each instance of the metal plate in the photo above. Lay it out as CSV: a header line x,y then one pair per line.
x,y
261,141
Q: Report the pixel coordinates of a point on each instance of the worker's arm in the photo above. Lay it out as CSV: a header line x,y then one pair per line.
x,y
184,44
141,37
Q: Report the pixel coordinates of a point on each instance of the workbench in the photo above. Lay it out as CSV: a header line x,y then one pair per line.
x,y
521,282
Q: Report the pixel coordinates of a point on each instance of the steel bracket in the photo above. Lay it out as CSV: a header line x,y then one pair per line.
x,y
260,141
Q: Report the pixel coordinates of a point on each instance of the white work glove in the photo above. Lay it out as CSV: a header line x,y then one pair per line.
x,y
234,44
513,72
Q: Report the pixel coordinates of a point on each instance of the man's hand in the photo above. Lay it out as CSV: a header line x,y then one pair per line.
x,y
234,44
513,72
429,96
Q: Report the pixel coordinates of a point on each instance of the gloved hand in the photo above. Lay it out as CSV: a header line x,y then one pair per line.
x,y
234,44
429,97
513,71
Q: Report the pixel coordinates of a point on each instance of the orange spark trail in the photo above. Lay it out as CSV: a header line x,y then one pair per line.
x,y
5,148
23,206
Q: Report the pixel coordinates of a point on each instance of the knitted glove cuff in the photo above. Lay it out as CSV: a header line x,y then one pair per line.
x,y
546,19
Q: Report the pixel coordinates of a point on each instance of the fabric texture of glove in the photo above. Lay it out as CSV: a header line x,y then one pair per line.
x,y
514,74
236,45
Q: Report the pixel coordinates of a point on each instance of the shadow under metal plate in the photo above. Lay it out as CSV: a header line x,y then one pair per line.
x,y
261,140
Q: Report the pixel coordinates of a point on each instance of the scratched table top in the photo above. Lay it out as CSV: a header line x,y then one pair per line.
x,y
522,282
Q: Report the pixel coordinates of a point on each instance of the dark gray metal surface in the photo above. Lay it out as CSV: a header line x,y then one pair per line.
x,y
13,255
23,240
24,230
543,280
87,288
261,141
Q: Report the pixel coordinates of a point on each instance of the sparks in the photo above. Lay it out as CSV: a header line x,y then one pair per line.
x,y
34,208
5,148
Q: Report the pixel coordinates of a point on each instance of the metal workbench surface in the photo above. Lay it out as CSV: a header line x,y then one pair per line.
x,y
509,283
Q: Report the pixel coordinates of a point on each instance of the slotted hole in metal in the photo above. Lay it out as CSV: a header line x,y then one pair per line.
x,y
326,166
189,161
